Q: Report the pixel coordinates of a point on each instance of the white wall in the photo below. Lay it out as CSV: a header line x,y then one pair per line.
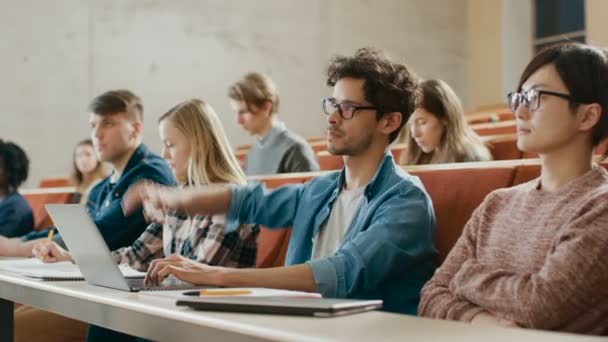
x,y
57,55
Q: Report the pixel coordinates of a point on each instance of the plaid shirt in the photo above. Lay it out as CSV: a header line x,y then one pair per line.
x,y
199,238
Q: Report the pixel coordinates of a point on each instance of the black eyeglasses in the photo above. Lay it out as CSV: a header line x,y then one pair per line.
x,y
531,98
346,110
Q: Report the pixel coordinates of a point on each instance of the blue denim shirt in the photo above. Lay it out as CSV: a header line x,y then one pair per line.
x,y
104,202
388,251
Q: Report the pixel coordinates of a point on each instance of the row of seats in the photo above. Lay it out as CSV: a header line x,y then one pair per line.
x,y
455,189
491,116
502,147
497,130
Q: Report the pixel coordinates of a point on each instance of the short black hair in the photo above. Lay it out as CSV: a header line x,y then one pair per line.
x,y
118,101
389,86
15,164
584,70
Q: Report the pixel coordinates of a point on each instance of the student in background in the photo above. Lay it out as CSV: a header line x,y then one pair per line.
x,y
363,232
16,217
116,119
199,154
87,170
533,255
437,131
255,101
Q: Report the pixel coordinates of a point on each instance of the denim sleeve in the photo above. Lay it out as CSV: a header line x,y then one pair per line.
x,y
399,239
253,204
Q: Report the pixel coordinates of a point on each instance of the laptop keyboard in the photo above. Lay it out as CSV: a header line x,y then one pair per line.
x,y
138,285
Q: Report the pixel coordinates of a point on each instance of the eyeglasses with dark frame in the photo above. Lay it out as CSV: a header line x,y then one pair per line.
x,y
531,98
345,109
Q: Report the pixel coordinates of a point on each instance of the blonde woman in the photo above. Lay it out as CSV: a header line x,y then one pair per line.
x,y
437,132
87,169
196,148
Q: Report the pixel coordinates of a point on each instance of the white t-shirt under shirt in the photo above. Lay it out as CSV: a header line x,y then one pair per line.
x,y
330,235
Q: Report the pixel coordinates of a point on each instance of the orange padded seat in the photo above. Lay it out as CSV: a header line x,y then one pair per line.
x,y
272,243
503,147
58,182
397,150
328,161
456,193
37,198
495,128
478,118
272,247
318,146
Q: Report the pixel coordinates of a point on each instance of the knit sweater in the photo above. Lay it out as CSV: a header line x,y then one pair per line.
x,y
531,256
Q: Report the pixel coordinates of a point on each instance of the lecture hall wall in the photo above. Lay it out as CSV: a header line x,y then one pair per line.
x,y
59,54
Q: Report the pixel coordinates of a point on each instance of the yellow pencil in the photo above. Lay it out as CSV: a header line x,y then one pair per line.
x,y
223,292
50,237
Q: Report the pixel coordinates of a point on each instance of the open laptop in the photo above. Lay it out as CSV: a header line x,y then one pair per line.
x,y
283,305
92,254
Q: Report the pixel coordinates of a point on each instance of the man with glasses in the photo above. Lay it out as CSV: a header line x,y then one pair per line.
x,y
255,100
363,232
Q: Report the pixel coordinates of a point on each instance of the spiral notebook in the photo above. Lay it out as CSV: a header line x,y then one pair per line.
x,y
35,268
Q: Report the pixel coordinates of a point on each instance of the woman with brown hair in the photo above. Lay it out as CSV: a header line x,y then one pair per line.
x,y
437,132
87,169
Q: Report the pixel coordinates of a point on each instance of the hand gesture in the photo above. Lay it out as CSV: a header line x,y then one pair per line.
x,y
184,269
49,251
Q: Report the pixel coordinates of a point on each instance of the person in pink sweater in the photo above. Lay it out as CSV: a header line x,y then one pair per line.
x,y
534,255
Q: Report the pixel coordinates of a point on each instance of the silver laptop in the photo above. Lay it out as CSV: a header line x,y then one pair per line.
x,y
92,254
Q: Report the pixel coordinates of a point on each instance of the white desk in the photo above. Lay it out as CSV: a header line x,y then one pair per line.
x,y
159,319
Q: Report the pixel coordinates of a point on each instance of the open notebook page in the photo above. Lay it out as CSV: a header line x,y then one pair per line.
x,y
65,270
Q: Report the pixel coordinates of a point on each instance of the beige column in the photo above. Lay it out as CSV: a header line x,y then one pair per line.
x,y
595,22
484,47
500,40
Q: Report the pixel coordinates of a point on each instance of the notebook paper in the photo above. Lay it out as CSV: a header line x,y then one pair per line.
x,y
65,270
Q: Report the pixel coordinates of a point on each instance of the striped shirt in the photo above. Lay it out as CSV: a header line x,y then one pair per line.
x,y
199,238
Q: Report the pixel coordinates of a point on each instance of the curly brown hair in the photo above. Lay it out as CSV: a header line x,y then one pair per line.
x,y
389,86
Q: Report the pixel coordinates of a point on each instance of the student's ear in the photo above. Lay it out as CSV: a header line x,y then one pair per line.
x,y
267,107
589,116
137,128
390,122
